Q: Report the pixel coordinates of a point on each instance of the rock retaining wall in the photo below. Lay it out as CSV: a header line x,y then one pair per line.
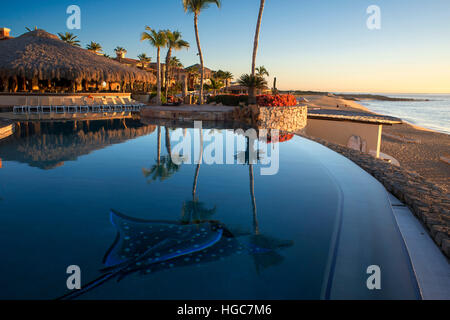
x,y
429,203
289,119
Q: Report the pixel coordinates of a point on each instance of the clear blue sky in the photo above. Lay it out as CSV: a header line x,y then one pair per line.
x,y
306,44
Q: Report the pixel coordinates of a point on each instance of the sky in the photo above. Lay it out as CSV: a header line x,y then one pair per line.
x,y
307,44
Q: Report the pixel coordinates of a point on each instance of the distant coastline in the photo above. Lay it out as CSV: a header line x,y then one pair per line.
x,y
353,97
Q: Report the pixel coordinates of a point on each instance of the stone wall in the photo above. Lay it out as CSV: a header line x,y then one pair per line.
x,y
289,119
429,203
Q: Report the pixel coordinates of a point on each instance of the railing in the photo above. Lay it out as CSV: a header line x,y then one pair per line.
x,y
76,109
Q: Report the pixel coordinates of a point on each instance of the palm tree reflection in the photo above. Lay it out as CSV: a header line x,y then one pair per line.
x,y
194,210
262,259
164,167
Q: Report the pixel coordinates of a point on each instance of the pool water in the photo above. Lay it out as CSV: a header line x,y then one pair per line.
x,y
95,195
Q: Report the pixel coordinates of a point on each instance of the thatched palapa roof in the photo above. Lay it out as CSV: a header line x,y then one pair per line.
x,y
43,55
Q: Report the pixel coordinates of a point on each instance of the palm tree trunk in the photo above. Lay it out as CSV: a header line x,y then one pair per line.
x,y
202,72
168,146
169,55
197,170
252,93
252,195
158,77
159,145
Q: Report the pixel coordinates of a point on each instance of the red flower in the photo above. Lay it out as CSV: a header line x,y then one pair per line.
x,y
286,100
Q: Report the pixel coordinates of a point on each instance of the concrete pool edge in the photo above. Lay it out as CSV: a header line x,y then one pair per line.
x,y
430,266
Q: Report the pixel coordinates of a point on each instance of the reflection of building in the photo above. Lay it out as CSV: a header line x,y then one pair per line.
x,y
48,145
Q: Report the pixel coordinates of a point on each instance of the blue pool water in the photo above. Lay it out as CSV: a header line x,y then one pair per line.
x,y
189,231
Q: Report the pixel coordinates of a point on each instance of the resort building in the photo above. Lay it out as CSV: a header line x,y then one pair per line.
x,y
4,34
38,61
238,90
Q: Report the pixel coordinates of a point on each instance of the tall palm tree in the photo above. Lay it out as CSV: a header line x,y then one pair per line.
x,y
94,47
174,43
69,38
195,7
158,40
144,59
252,90
120,51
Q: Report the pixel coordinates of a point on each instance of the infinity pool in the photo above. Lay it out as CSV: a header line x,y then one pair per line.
x,y
107,197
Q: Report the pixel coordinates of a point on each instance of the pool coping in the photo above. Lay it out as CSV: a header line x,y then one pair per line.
x,y
430,266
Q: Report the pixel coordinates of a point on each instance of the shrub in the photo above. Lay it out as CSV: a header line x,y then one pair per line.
x,y
229,99
279,100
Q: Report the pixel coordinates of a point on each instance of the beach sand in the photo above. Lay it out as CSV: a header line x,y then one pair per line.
x,y
417,149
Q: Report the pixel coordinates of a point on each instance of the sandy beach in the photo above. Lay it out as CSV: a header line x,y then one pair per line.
x,y
416,149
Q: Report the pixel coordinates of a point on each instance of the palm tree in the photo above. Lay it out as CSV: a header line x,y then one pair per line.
x,y
120,51
252,82
262,71
175,63
215,85
157,40
252,90
174,43
144,59
227,76
195,7
94,47
69,38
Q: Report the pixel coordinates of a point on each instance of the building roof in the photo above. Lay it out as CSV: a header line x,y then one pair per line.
x,y
43,55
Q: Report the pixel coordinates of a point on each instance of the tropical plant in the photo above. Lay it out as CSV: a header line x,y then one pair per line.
x,y
252,90
174,43
144,59
69,38
120,51
157,39
252,82
262,71
94,47
223,75
175,63
214,85
196,7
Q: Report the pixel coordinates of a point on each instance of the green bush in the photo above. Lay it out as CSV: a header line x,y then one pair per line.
x,y
229,99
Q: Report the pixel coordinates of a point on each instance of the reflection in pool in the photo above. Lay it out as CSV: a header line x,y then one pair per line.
x,y
308,232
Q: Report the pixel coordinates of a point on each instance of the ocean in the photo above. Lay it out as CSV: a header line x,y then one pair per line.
x,y
433,114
